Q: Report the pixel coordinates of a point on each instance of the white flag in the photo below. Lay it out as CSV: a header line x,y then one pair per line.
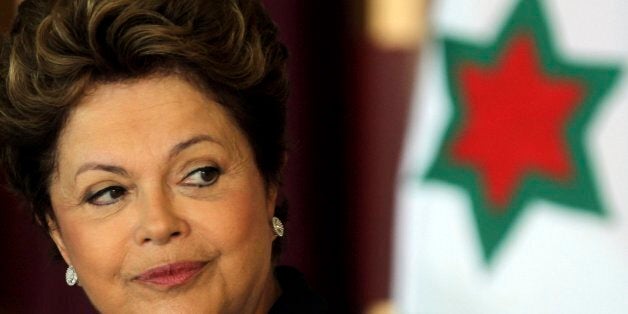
x,y
513,191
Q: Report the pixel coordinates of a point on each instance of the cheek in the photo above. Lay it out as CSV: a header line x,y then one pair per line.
x,y
237,222
96,248
95,244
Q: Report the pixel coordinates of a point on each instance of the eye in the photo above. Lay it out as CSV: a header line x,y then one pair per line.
x,y
107,196
202,177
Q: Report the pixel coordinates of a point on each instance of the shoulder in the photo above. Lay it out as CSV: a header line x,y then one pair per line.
x,y
296,296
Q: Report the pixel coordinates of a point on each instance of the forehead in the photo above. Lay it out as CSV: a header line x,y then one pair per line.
x,y
139,100
149,115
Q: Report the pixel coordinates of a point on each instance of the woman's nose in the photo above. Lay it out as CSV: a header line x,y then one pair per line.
x,y
159,221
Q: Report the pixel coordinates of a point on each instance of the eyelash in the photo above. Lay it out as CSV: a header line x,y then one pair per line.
x,y
213,171
92,198
120,191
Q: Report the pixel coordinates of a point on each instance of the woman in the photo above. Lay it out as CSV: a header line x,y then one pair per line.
x,y
147,136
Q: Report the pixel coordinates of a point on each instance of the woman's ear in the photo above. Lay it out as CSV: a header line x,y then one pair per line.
x,y
273,189
57,237
271,202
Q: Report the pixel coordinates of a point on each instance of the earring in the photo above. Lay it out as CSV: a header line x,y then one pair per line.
x,y
71,278
278,226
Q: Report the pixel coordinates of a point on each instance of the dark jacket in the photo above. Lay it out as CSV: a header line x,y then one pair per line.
x,y
296,296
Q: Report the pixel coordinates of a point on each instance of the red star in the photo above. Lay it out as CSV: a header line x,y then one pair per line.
x,y
515,120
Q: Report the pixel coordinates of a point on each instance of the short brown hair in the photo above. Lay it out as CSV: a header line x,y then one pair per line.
x,y
57,49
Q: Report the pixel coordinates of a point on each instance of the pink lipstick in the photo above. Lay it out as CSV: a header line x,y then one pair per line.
x,y
171,275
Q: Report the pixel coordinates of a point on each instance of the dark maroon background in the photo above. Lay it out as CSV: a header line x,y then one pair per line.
x,y
346,121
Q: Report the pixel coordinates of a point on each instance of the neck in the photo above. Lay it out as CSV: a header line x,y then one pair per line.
x,y
269,296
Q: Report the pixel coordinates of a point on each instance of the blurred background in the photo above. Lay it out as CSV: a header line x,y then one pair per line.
x,y
446,156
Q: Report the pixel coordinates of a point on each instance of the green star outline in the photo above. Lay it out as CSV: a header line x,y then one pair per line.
x,y
580,193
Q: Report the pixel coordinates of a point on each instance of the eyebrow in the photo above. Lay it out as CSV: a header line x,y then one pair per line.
x,y
174,151
177,149
102,167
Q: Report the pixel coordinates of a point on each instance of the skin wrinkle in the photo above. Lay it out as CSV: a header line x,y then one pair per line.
x,y
228,48
238,283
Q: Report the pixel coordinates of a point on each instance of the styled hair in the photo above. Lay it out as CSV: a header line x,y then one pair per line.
x,y
58,49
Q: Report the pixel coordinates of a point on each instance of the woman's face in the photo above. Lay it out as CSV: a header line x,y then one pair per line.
x,y
159,204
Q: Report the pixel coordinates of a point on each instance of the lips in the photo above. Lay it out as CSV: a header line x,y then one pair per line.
x,y
171,275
